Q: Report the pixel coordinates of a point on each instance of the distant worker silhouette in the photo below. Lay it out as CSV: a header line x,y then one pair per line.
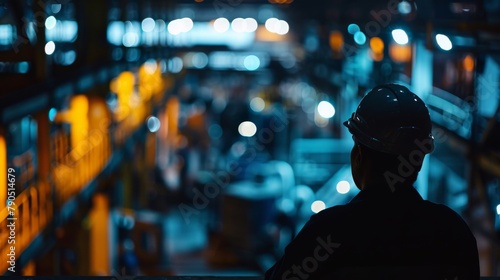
x,y
387,231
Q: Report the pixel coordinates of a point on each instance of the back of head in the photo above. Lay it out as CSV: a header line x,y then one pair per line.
x,y
392,119
392,126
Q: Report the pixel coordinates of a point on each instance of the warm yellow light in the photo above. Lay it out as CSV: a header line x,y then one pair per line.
x,y
377,45
3,169
262,34
172,110
377,56
150,80
468,63
150,152
99,238
29,269
99,116
123,85
280,1
336,41
400,53
79,107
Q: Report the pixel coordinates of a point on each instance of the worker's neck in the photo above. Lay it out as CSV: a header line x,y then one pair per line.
x,y
383,183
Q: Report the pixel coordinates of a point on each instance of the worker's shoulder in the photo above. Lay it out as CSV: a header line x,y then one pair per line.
x,y
442,212
337,212
425,208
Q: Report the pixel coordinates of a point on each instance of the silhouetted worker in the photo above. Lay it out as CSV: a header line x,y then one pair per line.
x,y
387,231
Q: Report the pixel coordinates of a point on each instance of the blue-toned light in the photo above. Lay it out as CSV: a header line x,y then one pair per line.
x,y
215,131
175,65
200,60
52,114
251,62
148,24
63,31
257,104
404,7
130,39
115,32
69,57
50,22
23,67
359,38
153,124
353,28
56,8
6,34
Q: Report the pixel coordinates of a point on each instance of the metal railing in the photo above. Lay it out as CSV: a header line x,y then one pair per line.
x,y
32,210
82,165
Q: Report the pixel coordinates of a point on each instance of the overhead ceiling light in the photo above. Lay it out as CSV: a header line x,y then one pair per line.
x,y
404,7
343,187
148,24
50,47
272,25
221,25
463,8
50,22
326,109
444,42
239,25
247,129
251,25
318,206
400,36
284,27
257,104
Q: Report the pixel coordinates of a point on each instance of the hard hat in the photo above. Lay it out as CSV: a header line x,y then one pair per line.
x,y
392,119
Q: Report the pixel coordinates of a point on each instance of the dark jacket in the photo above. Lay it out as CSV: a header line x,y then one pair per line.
x,y
382,235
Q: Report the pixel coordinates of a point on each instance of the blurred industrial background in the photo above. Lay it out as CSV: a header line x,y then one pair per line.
x,y
196,137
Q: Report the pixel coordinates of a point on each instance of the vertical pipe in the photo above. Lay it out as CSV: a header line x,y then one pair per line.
x,y
40,64
43,145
